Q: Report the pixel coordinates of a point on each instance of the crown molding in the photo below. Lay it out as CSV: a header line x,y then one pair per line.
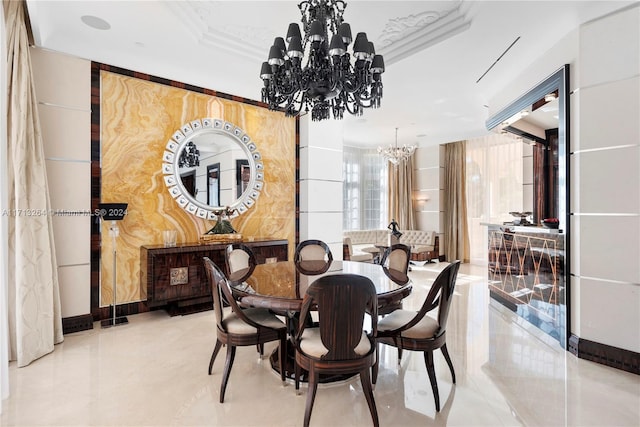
x,y
406,36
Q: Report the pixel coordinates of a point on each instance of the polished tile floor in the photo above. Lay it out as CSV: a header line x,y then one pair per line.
x,y
153,372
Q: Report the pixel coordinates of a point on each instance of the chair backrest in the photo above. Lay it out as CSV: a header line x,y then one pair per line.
x,y
312,250
239,258
222,294
342,301
396,257
312,257
439,296
215,277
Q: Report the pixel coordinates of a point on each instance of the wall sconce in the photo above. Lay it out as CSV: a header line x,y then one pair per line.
x,y
421,199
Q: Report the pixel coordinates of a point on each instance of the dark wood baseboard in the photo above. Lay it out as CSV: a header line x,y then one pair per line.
x,y
77,323
614,357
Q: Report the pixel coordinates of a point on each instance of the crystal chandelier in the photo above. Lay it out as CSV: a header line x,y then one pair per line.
x,y
396,154
328,81
190,156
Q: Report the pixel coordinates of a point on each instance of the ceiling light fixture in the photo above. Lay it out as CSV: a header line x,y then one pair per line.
x,y
549,97
329,82
396,154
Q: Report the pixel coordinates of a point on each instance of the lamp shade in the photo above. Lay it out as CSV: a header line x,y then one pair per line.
x,y
295,48
337,47
279,42
361,46
293,31
345,31
316,32
275,56
265,71
377,65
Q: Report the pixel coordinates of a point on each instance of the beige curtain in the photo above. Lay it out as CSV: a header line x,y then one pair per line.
x,y
4,317
456,233
400,187
35,322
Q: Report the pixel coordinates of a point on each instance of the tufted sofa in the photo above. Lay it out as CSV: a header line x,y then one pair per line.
x,y
360,244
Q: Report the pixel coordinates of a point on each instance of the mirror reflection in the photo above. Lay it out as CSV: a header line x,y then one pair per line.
x,y
214,169
538,125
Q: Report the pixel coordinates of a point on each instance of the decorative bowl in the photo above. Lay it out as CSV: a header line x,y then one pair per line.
x,y
551,223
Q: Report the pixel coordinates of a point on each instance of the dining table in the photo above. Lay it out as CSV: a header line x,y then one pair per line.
x,y
281,286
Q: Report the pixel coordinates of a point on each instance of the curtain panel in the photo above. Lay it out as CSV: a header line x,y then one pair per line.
x,y
35,322
400,191
4,224
456,232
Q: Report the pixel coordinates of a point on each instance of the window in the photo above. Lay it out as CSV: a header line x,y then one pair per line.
x,y
365,189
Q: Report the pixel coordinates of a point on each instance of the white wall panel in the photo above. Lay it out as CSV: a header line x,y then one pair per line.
x,y
426,179
610,248
66,133
62,79
428,220
75,290
426,157
321,163
609,114
609,181
527,198
63,90
617,326
69,185
323,226
527,170
324,134
319,196
609,48
72,236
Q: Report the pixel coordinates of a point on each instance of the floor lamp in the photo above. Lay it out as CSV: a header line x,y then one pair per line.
x,y
113,212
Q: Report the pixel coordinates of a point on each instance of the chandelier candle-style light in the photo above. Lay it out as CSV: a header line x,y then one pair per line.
x,y
396,154
328,81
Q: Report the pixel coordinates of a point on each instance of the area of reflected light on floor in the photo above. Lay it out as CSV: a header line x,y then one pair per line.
x,y
153,372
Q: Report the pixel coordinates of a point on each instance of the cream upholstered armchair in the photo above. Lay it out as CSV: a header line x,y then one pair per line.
x,y
350,255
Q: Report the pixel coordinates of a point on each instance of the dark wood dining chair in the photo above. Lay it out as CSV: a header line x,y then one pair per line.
x,y
237,327
312,257
396,257
410,330
240,261
340,344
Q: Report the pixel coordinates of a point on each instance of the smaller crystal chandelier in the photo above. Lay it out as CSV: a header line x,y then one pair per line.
x,y
190,156
396,154
330,81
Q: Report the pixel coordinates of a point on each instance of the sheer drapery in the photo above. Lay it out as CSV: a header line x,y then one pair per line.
x,y
494,186
35,322
400,189
4,316
456,232
365,189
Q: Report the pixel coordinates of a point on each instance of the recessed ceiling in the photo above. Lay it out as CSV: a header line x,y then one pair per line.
x,y
434,50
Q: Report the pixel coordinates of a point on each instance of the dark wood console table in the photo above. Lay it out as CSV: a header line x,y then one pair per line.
x,y
174,277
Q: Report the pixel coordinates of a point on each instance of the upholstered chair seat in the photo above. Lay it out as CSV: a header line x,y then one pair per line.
x,y
426,328
263,317
311,344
